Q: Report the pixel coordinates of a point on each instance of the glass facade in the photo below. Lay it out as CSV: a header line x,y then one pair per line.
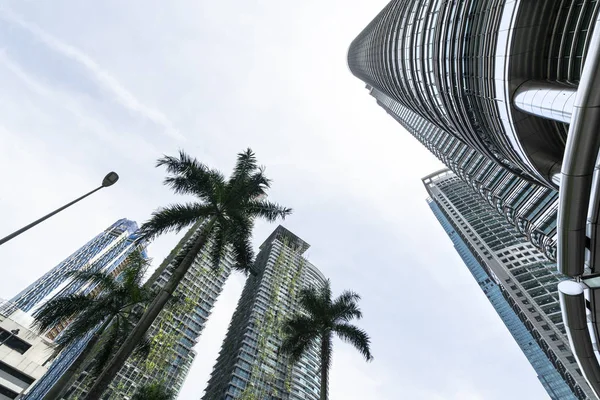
x,y
104,253
504,262
549,377
250,365
459,64
529,207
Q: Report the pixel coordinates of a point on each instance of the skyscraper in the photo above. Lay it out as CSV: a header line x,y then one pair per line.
x,y
177,328
518,82
529,207
519,281
250,365
502,77
105,252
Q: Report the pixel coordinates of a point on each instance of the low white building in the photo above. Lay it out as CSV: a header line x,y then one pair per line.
x,y
24,355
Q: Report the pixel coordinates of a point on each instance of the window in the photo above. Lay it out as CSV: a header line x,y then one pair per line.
x,y
16,374
11,340
8,393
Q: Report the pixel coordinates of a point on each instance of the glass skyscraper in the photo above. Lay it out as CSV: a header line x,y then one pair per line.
x,y
103,253
250,365
549,377
529,207
516,81
519,281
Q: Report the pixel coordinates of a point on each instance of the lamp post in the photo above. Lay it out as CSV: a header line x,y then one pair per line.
x,y
110,179
13,332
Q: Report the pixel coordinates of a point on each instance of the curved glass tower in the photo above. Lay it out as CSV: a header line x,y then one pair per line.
x,y
250,365
529,207
501,76
518,82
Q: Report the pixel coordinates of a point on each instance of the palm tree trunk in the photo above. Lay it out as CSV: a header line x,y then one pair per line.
x,y
325,364
67,378
115,364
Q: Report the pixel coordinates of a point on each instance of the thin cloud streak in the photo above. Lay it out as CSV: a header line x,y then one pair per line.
x,y
103,77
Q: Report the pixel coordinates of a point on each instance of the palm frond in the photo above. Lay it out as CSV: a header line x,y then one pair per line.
x,y
245,165
243,255
345,307
60,310
239,234
107,347
192,177
311,301
135,267
174,218
325,293
97,278
196,177
143,348
356,337
267,210
87,321
218,245
300,332
258,183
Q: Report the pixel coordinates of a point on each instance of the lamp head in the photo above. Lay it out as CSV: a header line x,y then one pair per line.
x,y
110,179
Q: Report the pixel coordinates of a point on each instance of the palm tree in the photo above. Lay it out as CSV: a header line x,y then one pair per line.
x,y
321,318
109,311
153,391
226,209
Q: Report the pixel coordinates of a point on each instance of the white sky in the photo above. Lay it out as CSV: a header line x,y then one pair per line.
x,y
88,87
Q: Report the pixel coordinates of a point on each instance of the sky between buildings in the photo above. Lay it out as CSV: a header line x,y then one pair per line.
x,y
87,87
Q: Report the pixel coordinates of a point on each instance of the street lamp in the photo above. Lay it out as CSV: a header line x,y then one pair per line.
x,y
110,179
13,332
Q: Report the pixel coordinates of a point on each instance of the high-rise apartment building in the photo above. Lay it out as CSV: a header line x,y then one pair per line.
x,y
519,281
177,328
105,252
250,365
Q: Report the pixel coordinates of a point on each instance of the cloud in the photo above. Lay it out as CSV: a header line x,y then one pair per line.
x,y
103,77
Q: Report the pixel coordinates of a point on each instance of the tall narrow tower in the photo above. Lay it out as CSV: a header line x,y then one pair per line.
x,y
176,330
519,281
250,365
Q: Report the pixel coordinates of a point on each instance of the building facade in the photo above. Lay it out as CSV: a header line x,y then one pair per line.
x,y
549,377
529,207
518,82
24,354
504,262
501,76
250,365
105,252
175,331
